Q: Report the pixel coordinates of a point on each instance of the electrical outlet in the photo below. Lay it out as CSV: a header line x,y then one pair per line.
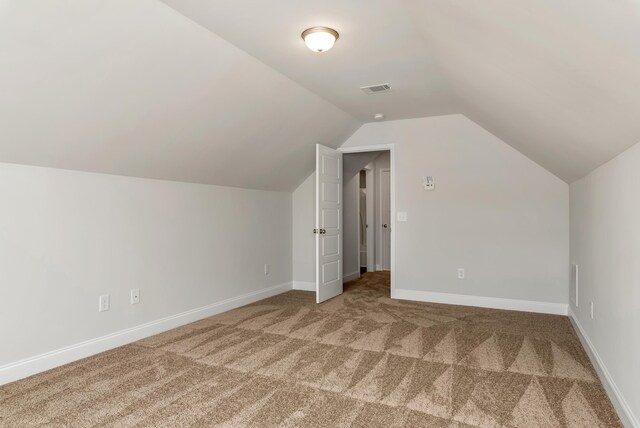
x,y
460,273
402,216
591,310
104,303
427,183
267,268
135,296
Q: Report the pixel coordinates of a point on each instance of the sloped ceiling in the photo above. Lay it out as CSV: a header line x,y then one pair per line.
x,y
224,92
135,88
558,80
378,43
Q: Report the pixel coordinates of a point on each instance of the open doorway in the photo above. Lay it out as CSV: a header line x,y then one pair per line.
x,y
367,218
345,234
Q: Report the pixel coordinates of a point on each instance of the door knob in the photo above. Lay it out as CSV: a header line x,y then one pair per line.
x,y
385,226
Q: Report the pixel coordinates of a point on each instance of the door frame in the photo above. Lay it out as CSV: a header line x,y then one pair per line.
x,y
359,226
368,231
370,208
379,226
392,165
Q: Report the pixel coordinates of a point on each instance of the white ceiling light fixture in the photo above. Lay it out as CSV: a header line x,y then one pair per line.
x,y
320,39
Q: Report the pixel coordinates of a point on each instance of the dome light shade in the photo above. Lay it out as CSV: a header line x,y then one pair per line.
x,y
320,39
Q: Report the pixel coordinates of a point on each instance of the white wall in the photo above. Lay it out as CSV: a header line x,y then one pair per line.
x,y
67,237
605,243
494,212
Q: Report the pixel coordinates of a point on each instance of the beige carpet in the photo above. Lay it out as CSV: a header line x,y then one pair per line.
x,y
359,360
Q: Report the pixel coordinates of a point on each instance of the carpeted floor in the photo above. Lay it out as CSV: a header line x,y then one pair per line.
x,y
359,360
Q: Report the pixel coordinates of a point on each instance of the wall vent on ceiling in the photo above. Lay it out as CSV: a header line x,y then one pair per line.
x,y
376,89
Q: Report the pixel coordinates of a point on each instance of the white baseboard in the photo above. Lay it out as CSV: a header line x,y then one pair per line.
x,y
351,276
481,301
39,363
619,403
304,286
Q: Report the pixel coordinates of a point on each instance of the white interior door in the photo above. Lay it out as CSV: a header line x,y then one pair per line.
x,y
385,219
328,223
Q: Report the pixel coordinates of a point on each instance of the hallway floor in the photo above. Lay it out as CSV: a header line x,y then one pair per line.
x,y
360,359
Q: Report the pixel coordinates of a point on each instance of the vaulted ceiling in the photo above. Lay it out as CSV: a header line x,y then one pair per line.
x,y
558,80
135,88
224,92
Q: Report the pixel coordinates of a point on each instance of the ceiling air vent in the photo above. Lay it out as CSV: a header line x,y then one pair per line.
x,y
376,89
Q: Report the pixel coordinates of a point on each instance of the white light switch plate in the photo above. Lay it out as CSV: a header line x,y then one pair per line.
x,y
402,216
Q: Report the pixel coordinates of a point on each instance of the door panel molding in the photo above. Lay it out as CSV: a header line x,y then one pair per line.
x,y
329,223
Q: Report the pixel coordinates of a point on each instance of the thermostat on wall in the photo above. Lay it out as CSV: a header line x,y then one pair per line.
x,y
428,183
